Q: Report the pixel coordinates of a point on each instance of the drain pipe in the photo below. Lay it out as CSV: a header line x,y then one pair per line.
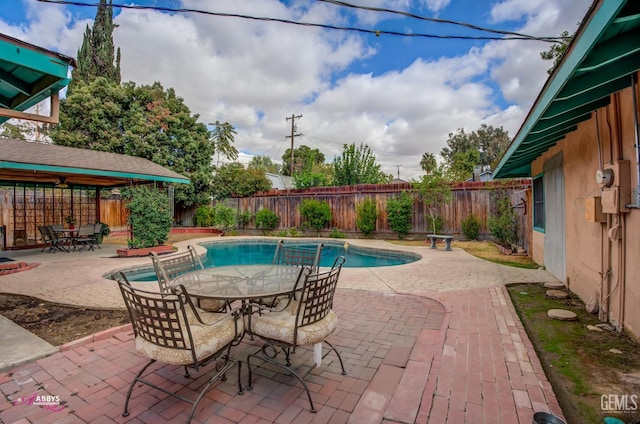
x,y
634,95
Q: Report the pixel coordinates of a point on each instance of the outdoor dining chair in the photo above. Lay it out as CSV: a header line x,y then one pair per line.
x,y
169,267
84,238
307,321
169,329
46,239
294,256
58,240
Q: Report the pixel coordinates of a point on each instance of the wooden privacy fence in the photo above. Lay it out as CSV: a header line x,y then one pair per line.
x,y
467,198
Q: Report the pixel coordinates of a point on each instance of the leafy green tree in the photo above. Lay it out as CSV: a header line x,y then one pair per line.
x,y
315,214
263,163
399,209
158,126
149,216
435,191
233,179
92,117
222,140
357,166
428,162
557,50
482,147
320,175
366,217
97,56
303,159
14,131
145,121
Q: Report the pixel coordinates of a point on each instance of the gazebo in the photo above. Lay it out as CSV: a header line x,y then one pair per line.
x,y
43,183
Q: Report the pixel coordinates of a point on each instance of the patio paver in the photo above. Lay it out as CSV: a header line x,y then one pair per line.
x,y
413,353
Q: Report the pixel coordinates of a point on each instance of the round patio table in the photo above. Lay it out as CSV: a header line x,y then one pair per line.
x,y
241,282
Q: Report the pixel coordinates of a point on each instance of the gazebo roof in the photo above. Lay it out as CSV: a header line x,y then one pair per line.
x,y
29,74
22,161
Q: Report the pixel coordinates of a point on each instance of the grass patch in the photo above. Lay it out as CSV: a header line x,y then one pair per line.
x,y
577,360
482,249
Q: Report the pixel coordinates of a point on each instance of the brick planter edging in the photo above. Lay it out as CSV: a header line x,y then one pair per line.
x,y
144,251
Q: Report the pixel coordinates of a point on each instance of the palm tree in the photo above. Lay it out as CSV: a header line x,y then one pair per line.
x,y
428,162
222,136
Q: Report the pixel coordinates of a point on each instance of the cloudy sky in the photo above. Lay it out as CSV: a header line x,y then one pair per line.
x,y
400,95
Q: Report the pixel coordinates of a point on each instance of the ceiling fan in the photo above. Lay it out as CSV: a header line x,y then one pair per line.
x,y
61,183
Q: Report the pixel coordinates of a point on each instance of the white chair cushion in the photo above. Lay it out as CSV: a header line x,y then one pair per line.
x,y
280,326
208,339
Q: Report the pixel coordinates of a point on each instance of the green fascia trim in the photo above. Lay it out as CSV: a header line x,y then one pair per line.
x,y
611,51
97,172
38,61
545,128
592,80
601,19
559,109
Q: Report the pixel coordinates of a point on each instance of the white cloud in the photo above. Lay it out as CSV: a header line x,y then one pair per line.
x,y
255,74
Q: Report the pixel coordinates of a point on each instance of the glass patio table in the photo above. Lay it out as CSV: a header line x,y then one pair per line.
x,y
240,282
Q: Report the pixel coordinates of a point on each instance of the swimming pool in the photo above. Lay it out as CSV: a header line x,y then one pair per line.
x,y
246,252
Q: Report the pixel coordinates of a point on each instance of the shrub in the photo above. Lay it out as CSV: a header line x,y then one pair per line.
x,y
337,233
244,218
315,214
471,227
282,233
504,223
267,219
399,214
293,232
205,216
366,216
225,217
149,216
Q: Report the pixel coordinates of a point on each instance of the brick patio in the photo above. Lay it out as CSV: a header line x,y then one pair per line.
x,y
462,358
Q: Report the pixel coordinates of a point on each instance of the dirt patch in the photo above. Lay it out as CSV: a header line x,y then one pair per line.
x,y
58,324
587,377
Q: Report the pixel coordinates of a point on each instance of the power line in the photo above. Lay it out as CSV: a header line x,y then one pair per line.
x,y
376,32
441,21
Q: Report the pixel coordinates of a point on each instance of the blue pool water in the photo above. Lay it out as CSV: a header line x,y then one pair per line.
x,y
261,252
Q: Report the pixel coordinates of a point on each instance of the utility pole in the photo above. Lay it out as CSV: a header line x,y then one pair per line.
x,y
292,136
398,166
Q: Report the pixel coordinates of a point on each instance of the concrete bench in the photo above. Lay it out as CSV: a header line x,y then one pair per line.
x,y
436,237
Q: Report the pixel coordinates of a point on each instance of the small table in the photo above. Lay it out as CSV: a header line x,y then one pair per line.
x,y
240,282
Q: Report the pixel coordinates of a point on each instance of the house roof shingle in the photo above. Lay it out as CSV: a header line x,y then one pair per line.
x,y
46,163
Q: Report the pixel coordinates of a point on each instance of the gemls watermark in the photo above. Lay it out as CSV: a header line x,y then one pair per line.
x,y
619,403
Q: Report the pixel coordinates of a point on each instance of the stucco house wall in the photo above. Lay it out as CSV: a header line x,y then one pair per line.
x,y
599,265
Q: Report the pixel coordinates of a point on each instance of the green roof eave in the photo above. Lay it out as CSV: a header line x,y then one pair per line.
x,y
95,172
587,75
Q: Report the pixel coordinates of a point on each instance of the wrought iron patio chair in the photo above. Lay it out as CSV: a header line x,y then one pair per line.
x,y
295,256
169,267
169,329
307,321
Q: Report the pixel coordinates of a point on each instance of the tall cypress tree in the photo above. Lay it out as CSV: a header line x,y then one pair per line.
x,y
96,55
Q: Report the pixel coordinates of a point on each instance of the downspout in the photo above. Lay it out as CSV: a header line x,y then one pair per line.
x,y
634,95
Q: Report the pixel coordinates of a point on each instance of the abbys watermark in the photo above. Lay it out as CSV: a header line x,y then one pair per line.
x,y
619,403
48,402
